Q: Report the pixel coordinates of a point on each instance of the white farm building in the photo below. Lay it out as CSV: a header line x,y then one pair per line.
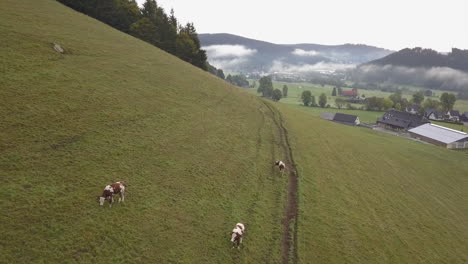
x,y
441,136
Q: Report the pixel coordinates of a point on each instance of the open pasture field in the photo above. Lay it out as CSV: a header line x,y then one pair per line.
x,y
368,197
197,154
295,90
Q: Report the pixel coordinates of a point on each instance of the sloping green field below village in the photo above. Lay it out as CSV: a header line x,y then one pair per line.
x,y
370,197
197,154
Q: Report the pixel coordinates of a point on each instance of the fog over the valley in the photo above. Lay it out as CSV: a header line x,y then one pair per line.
x,y
324,67
228,56
216,51
301,52
436,77
233,58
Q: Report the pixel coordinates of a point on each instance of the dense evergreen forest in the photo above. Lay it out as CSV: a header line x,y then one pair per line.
x,y
149,23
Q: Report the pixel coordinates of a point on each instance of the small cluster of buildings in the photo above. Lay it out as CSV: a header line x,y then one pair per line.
x,y
432,114
418,127
452,116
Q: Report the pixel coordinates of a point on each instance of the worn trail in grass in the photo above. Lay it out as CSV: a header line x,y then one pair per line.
x,y
289,238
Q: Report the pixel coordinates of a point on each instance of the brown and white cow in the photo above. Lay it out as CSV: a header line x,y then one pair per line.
x,y
280,165
111,190
237,234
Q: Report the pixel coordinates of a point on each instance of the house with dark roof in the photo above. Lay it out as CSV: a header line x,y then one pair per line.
x,y
440,136
351,120
453,115
464,117
432,114
394,119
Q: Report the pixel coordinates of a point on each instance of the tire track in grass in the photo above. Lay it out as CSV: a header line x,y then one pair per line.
x,y
289,237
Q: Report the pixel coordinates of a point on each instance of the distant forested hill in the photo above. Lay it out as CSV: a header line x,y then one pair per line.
x,y
419,67
419,57
236,53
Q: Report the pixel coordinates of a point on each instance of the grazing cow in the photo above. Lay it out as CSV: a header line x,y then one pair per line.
x,y
280,165
111,190
237,234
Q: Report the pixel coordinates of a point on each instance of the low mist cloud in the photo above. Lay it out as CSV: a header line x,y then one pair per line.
x,y
436,77
228,57
279,66
228,63
301,52
217,51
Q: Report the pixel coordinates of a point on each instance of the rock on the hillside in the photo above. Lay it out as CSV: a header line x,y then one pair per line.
x,y
58,48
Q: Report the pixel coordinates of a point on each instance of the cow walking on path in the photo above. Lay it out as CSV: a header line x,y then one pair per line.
x,y
280,165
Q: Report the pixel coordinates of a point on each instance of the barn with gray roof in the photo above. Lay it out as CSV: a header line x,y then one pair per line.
x,y
440,136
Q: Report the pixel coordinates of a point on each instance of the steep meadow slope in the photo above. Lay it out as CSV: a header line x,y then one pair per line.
x,y
196,152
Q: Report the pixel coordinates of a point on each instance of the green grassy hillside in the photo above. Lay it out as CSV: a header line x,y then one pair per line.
x,y
195,151
368,197
197,154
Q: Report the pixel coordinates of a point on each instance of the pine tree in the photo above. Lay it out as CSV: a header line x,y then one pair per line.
x,y
276,95
285,90
220,73
306,97
322,100
266,86
145,30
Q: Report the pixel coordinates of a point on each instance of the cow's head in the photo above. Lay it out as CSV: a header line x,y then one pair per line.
x,y
241,227
233,237
101,200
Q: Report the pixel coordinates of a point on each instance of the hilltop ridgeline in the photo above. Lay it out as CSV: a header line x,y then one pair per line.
x,y
150,24
419,57
236,53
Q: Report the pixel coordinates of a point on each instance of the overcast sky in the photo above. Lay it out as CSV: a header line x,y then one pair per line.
x,y
391,24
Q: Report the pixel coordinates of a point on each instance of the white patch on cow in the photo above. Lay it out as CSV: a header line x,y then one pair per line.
x,y
109,188
101,200
237,230
241,226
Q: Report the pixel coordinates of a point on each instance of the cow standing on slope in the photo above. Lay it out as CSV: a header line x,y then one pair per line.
x,y
280,165
111,190
237,234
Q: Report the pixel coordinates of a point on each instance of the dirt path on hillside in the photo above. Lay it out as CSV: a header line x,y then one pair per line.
x,y
289,237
